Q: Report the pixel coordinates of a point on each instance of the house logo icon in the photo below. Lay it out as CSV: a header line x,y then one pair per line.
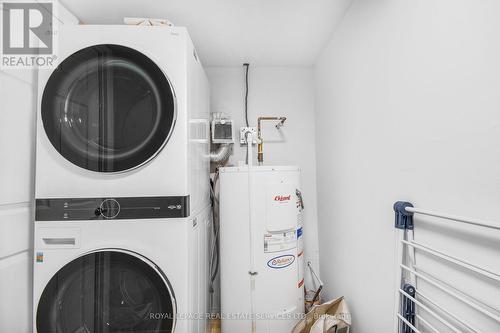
x,y
27,28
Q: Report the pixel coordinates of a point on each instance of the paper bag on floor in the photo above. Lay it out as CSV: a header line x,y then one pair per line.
x,y
329,317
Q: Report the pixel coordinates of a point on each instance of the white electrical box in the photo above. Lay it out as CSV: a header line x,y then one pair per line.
x,y
273,239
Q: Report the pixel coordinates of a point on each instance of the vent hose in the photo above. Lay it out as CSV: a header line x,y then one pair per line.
x,y
221,154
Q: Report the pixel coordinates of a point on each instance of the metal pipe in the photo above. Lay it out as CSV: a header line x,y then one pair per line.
x,y
446,312
426,323
429,311
252,273
453,260
260,147
399,249
414,329
315,275
221,154
320,287
481,223
454,294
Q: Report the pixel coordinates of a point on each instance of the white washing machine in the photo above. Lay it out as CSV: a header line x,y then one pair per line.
x,y
122,276
122,184
124,115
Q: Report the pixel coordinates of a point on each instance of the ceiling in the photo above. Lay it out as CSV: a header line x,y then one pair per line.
x,y
230,32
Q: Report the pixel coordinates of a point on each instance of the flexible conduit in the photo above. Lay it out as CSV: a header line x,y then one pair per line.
x,y
221,154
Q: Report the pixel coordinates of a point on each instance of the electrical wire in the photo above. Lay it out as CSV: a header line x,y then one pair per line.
x,y
246,65
214,253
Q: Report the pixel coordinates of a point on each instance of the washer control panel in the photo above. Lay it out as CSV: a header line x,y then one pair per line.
x,y
111,208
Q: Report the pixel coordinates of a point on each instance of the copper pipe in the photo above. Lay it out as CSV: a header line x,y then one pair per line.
x,y
260,150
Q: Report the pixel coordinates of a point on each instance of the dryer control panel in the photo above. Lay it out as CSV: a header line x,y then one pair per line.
x,y
111,208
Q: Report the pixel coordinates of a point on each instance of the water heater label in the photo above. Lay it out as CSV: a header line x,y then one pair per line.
x,y
281,261
280,241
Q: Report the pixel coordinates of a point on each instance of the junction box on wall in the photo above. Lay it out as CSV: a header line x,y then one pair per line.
x,y
222,135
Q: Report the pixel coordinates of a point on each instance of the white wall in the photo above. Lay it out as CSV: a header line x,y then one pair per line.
x,y
18,98
408,108
275,91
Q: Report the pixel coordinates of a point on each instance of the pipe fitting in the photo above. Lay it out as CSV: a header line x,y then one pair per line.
x,y
260,151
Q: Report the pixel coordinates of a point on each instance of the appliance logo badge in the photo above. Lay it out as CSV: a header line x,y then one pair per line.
x,y
281,261
282,198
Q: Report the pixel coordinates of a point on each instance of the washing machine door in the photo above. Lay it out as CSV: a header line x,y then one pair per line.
x,y
108,291
108,108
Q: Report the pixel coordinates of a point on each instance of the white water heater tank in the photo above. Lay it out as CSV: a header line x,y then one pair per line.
x,y
261,251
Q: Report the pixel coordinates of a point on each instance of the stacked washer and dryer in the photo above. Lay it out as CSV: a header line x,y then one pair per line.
x,y
122,184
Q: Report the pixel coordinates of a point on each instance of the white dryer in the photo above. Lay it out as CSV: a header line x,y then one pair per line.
x,y
124,115
122,184
122,276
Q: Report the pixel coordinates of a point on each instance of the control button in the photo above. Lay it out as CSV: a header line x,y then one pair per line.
x,y
109,208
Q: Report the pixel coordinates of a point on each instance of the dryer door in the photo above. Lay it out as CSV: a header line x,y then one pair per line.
x,y
108,108
107,292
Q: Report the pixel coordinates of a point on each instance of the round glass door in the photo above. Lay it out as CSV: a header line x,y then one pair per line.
x,y
107,292
108,108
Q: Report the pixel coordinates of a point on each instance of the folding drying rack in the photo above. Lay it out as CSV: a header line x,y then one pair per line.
x,y
413,306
